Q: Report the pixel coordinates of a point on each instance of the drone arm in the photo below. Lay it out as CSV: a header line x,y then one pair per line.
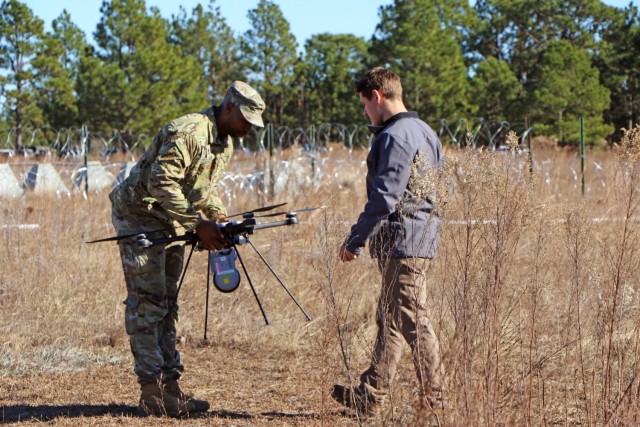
x,y
232,231
288,221
189,238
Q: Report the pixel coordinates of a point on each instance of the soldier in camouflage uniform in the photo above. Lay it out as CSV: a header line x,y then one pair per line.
x,y
168,189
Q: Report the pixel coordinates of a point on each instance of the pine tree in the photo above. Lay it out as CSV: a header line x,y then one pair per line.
x,y
332,63
495,90
206,37
21,35
520,32
564,87
413,39
618,59
58,64
139,80
270,49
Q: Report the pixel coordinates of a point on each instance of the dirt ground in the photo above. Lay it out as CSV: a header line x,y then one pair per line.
x,y
246,386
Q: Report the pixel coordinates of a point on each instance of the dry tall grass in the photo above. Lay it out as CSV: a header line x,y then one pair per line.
x,y
535,298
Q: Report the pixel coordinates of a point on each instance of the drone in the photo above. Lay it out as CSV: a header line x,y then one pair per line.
x,y
222,263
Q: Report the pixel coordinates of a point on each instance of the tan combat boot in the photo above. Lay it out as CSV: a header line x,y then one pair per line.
x,y
173,388
155,401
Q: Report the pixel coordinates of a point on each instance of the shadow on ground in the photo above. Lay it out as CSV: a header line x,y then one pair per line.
x,y
18,413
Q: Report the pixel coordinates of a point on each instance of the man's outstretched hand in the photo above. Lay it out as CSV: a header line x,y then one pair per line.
x,y
211,236
345,255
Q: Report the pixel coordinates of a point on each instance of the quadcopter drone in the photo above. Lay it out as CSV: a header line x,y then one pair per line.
x,y
222,263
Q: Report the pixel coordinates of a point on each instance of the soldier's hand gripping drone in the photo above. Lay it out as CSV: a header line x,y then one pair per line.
x,y
222,263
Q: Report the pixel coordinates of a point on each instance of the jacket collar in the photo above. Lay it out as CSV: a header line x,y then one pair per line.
x,y
214,138
407,114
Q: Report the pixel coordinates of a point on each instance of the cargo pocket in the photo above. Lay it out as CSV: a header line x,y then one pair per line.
x,y
131,313
142,261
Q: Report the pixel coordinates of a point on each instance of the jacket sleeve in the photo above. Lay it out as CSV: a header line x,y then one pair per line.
x,y
214,206
394,159
166,178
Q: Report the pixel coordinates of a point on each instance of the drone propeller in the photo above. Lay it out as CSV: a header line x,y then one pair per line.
x,y
263,209
294,211
126,236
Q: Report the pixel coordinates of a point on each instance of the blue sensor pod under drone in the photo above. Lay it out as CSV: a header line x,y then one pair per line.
x,y
223,266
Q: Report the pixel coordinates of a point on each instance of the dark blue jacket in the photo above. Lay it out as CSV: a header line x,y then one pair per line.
x,y
413,231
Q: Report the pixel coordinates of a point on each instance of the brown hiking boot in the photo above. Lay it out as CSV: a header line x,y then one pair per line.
x,y
357,399
173,388
155,401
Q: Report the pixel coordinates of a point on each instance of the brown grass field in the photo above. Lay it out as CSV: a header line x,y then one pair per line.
x,y
534,295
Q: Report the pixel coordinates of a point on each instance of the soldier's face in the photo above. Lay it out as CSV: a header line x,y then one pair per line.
x,y
237,126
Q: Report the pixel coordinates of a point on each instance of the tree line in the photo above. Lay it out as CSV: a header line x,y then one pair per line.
x,y
545,61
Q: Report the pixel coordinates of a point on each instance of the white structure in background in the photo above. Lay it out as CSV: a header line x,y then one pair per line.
x,y
43,178
284,178
99,177
9,185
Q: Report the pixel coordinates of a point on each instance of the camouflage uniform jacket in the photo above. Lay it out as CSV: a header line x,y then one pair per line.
x,y
176,177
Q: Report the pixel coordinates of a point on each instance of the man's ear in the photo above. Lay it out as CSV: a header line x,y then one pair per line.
x,y
377,96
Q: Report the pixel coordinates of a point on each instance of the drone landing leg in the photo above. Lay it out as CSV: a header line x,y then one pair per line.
x,y
255,294
277,277
206,304
184,271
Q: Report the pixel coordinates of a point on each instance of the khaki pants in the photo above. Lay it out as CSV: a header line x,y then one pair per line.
x,y
402,317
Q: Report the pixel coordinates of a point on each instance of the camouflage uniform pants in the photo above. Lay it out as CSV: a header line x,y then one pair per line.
x,y
401,317
151,311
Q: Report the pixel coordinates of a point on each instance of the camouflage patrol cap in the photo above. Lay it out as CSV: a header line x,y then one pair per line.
x,y
248,100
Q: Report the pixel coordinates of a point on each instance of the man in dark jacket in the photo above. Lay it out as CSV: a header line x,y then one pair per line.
x,y
402,230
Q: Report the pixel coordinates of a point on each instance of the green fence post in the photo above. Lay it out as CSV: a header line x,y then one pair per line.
x,y
270,138
313,150
272,174
582,152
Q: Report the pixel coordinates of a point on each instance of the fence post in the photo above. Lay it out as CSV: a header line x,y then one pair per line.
x,y
582,153
313,150
270,138
271,172
85,150
526,129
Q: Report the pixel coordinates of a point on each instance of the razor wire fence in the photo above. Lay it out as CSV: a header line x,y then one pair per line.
x,y
78,160
69,142
253,173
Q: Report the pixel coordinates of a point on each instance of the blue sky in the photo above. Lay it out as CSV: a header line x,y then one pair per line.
x,y
306,17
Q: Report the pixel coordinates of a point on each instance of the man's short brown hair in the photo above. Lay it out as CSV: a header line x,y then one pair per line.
x,y
379,78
